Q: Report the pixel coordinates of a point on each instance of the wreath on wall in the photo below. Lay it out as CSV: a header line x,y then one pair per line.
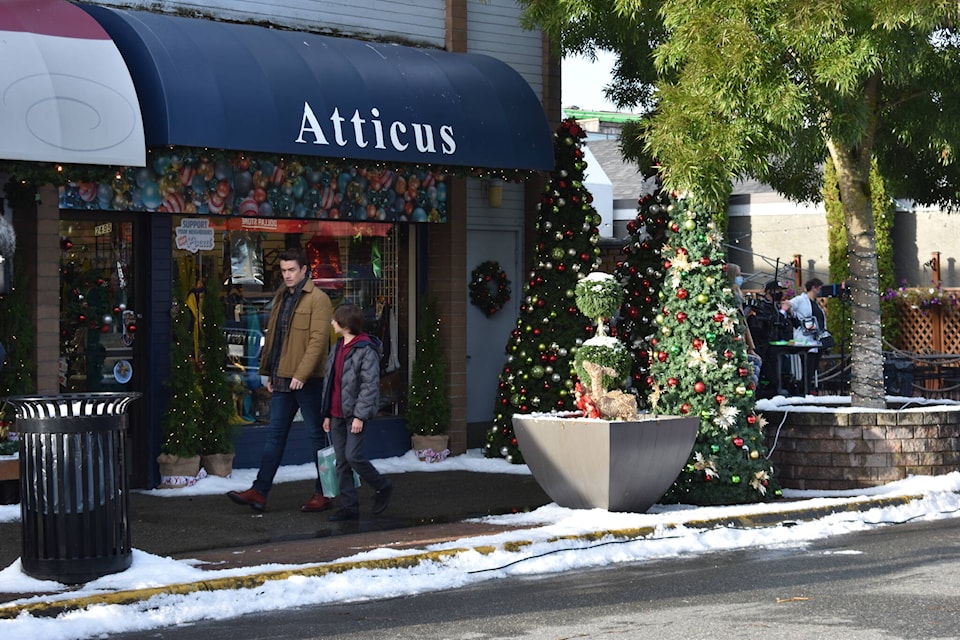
x,y
489,287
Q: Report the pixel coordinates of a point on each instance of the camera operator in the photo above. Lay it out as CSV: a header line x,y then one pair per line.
x,y
768,324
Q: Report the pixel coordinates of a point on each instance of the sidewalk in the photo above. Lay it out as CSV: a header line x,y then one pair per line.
x,y
427,509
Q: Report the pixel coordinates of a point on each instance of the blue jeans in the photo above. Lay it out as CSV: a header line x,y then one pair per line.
x,y
348,447
283,409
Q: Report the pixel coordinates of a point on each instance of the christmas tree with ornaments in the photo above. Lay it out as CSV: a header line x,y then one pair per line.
x,y
699,367
641,274
538,374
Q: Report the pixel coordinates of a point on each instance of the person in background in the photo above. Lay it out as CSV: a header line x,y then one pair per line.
x,y
351,398
736,280
808,321
292,364
768,323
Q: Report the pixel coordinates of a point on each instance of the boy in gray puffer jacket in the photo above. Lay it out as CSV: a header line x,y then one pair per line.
x,y
350,399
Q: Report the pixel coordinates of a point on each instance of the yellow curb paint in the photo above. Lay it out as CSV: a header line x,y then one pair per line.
x,y
56,607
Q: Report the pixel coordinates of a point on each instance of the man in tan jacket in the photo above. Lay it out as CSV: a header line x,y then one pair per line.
x,y
292,362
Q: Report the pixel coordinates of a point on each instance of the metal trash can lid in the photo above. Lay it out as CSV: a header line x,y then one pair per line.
x,y
72,405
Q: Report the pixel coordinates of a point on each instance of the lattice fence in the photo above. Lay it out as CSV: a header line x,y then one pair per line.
x,y
930,329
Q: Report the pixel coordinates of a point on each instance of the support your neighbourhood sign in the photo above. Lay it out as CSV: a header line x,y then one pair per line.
x,y
194,234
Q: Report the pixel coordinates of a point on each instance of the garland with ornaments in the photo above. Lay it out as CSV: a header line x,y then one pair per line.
x,y
489,287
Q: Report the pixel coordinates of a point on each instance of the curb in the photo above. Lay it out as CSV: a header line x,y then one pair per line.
x,y
786,518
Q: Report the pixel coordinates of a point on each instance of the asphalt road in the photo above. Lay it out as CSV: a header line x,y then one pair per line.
x,y
893,582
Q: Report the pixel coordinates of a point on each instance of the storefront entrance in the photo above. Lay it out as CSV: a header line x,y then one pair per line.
x,y
98,306
102,339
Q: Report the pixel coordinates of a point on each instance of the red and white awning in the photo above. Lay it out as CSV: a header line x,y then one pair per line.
x,y
65,92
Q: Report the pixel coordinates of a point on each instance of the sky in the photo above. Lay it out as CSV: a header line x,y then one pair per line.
x,y
583,82
548,528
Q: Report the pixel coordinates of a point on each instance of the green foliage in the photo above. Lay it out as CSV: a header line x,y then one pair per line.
x,y
538,374
606,352
598,295
641,274
17,333
181,423
700,368
219,423
428,407
770,90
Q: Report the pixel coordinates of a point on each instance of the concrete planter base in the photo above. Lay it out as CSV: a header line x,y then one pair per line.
x,y
598,464
843,450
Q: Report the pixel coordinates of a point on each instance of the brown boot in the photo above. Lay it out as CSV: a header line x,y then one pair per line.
x,y
251,497
317,502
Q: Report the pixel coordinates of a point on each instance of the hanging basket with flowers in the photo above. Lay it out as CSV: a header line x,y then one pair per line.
x,y
489,287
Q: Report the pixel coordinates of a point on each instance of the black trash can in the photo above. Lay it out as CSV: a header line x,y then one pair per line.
x,y
73,485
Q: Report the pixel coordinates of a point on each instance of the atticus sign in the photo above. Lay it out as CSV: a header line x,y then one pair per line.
x,y
362,132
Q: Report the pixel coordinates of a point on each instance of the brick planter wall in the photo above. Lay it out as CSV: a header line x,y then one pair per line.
x,y
854,450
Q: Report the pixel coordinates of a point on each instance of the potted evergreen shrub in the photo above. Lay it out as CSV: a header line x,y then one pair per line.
x,y
428,407
17,332
220,421
607,456
179,459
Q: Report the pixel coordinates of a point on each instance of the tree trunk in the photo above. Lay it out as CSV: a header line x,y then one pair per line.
x,y
853,176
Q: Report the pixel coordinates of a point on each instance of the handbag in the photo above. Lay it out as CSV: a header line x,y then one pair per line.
x,y
825,338
327,468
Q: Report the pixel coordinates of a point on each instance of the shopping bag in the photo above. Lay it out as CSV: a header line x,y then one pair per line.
x,y
327,468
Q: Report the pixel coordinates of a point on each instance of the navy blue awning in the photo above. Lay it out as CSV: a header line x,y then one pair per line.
x,y
212,84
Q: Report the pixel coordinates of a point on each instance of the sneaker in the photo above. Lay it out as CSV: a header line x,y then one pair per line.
x,y
317,502
343,515
251,498
382,498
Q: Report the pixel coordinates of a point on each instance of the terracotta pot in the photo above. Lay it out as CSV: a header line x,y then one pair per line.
x,y
218,464
600,464
430,448
177,472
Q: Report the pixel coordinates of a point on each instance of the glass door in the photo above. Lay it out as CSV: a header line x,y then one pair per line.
x,y
98,312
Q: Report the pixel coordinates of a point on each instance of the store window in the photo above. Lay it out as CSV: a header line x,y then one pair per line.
x,y
98,306
355,262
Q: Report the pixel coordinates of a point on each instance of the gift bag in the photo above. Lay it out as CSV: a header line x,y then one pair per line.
x,y
327,467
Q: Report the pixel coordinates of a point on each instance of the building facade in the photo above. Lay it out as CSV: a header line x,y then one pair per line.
x,y
399,144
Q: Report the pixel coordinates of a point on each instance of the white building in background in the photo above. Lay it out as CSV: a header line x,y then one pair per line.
x,y
767,233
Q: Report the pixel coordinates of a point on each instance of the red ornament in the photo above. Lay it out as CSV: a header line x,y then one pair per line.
x,y
675,227
662,356
742,372
681,316
738,442
682,294
751,419
685,408
705,261
697,343
699,387
666,264
718,317
728,354
672,382
720,398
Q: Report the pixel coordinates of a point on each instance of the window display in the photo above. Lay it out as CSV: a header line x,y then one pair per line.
x,y
353,262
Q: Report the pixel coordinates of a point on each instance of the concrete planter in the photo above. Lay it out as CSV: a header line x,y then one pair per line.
x,y
598,464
